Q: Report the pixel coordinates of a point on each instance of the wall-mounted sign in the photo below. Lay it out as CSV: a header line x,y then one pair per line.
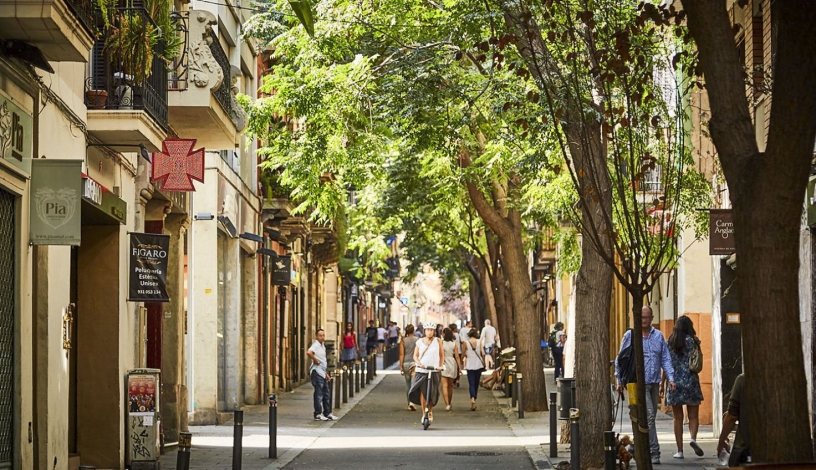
x,y
178,165
91,191
16,135
732,319
721,232
282,272
56,186
148,267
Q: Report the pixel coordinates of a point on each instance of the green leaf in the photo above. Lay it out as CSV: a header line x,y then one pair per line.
x,y
303,10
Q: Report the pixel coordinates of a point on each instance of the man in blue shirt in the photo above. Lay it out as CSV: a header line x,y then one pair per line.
x,y
655,356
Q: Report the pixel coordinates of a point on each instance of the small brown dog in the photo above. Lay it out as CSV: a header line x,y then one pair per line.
x,y
624,456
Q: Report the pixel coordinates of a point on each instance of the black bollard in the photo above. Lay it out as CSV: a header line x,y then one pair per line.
x,y
553,424
351,380
237,439
511,386
356,376
337,387
610,452
575,439
273,426
330,383
520,395
364,370
344,384
183,455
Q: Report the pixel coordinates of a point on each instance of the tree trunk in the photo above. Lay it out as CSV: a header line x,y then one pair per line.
x,y
504,316
766,191
640,424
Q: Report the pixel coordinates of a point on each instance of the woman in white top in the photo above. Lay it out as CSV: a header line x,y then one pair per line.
x,y
452,365
474,364
429,356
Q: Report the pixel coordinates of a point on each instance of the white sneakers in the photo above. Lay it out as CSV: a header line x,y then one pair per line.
x,y
678,455
331,417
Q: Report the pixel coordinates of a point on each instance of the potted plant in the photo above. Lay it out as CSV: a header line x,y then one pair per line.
x,y
96,99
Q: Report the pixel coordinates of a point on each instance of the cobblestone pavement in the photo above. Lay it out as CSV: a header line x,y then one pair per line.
x,y
377,431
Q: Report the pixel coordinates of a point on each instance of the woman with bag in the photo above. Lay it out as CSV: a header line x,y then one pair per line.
x,y
406,358
684,347
474,364
429,357
452,365
349,353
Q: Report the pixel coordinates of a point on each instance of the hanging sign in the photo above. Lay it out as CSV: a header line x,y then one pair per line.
x,y
56,187
721,232
282,274
16,135
148,267
178,165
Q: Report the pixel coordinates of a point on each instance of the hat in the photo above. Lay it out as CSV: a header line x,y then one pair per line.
x,y
429,325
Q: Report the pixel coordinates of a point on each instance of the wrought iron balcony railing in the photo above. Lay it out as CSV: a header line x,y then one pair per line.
x,y
84,10
121,78
222,93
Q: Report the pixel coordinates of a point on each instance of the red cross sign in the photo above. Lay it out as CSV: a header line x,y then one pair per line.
x,y
178,165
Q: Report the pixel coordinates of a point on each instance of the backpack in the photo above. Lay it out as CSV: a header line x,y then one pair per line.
x,y
626,363
551,343
696,358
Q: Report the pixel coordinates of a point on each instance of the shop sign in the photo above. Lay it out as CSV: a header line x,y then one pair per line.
x,y
16,135
148,267
721,232
91,191
178,165
56,186
282,273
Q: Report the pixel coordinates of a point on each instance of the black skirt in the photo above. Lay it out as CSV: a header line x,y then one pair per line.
x,y
420,387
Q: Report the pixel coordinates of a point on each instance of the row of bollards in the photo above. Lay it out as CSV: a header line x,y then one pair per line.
x,y
344,384
568,411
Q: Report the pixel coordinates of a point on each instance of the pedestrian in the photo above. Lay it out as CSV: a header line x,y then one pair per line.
x,y
429,357
655,356
474,364
741,450
453,364
559,339
393,333
349,353
320,378
455,329
688,393
439,330
463,333
488,338
382,334
420,331
406,359
371,337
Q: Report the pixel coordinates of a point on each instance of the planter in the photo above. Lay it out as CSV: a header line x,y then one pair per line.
x,y
96,99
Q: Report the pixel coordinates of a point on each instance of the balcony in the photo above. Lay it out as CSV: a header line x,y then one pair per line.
x,y
126,91
62,29
201,100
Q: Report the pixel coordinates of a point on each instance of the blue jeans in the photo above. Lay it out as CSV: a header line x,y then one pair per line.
x,y
473,381
558,358
321,395
652,402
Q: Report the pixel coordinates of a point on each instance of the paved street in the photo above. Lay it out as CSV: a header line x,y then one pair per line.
x,y
376,431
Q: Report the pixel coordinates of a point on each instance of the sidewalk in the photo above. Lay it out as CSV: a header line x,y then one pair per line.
x,y
212,445
534,429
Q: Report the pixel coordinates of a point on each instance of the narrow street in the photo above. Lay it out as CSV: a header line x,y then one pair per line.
x,y
380,432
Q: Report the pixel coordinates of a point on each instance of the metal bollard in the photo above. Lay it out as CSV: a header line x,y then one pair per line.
x,y
553,424
330,383
610,452
183,455
237,439
511,385
374,365
351,380
575,439
520,394
344,384
364,370
356,376
273,426
337,388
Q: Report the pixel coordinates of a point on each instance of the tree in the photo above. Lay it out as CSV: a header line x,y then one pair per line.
x,y
766,191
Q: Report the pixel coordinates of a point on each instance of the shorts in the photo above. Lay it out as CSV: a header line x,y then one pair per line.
x,y
393,340
381,341
488,350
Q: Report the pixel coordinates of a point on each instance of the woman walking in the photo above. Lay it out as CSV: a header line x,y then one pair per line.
x,y
474,364
349,353
687,391
406,358
453,364
429,357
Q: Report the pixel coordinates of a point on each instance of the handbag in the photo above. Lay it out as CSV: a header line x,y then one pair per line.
x,y
696,358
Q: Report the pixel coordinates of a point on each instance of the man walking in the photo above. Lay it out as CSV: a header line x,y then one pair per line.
x,y
320,378
655,355
488,338
393,333
463,333
371,337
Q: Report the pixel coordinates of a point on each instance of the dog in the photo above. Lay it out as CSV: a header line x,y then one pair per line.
x,y
623,444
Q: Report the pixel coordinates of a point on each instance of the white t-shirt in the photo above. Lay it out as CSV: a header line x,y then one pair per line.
x,y
463,333
320,353
392,331
430,358
558,338
381,332
488,335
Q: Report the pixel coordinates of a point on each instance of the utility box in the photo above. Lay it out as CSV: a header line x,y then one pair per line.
x,y
143,423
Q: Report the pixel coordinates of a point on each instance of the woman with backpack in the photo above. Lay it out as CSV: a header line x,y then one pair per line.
x,y
556,345
684,348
